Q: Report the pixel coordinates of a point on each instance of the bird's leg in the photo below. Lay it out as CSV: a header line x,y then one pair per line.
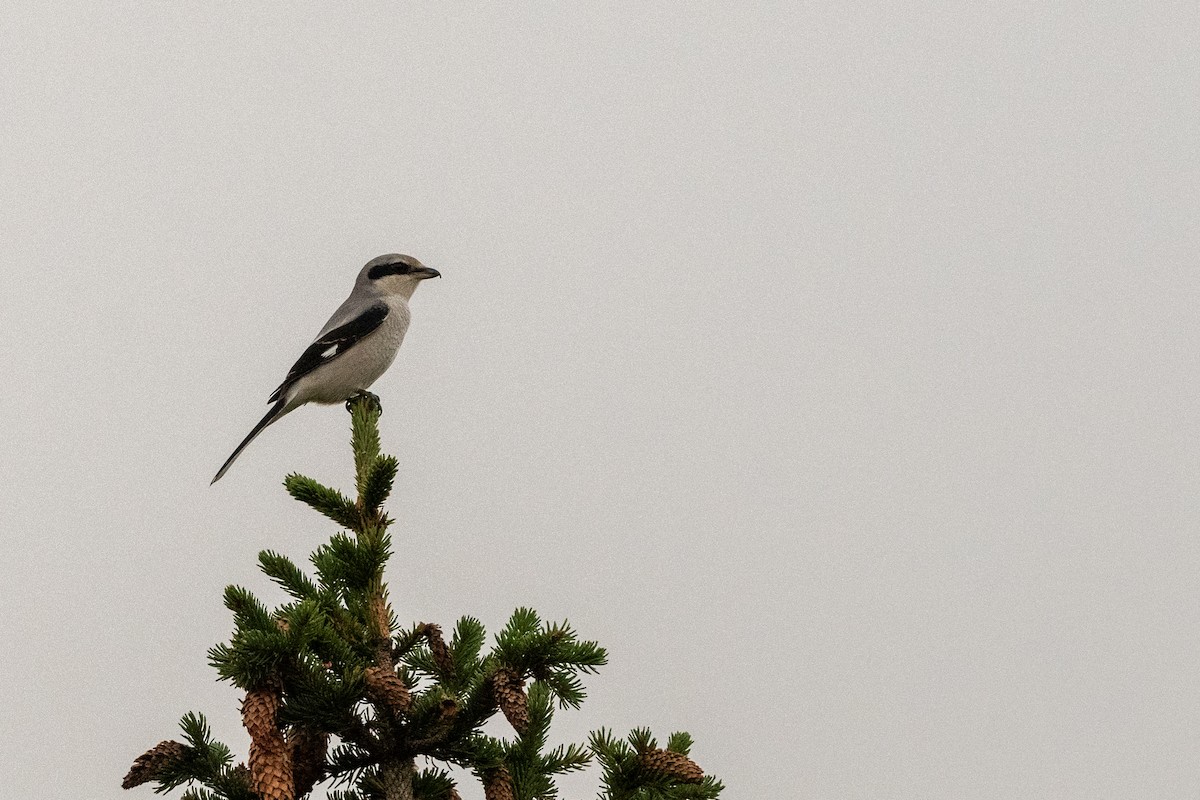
x,y
366,397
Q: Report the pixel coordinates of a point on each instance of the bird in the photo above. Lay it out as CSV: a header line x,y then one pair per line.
x,y
356,346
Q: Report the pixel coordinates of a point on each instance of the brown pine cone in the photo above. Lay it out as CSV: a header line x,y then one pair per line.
x,y
271,768
259,710
149,764
673,765
509,692
270,759
498,785
385,687
437,647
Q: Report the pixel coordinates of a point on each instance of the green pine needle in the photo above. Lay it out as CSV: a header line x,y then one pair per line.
x,y
541,713
290,577
432,783
248,612
377,485
642,739
469,635
364,436
196,793
329,502
204,761
571,758
680,742
353,565
195,730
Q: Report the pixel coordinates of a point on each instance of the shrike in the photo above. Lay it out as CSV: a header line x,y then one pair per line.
x,y
356,346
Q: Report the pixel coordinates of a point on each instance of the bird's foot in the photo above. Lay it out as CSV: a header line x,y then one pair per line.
x,y
365,397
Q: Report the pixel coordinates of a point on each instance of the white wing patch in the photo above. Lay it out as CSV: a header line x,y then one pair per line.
x,y
331,345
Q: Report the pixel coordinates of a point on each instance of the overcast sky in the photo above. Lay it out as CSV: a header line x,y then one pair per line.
x,y
833,365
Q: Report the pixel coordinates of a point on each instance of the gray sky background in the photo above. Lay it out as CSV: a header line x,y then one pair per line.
x,y
834,365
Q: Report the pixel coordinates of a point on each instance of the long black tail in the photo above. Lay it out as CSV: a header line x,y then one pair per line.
x,y
275,413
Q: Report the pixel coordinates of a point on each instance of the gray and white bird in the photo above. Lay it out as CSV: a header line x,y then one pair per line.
x,y
356,346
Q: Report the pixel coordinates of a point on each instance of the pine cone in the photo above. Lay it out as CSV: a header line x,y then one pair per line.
x,y
448,709
385,687
149,764
509,692
437,647
673,765
270,759
259,710
271,769
498,785
308,748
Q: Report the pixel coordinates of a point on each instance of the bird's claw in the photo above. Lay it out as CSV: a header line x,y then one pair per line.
x,y
366,397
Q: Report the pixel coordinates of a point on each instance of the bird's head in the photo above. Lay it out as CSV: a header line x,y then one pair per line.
x,y
395,274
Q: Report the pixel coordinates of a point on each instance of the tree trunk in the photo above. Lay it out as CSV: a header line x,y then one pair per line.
x,y
397,778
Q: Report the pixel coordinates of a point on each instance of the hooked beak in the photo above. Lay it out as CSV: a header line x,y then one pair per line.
x,y
427,272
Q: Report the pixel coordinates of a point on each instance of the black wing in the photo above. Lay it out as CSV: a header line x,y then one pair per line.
x,y
332,344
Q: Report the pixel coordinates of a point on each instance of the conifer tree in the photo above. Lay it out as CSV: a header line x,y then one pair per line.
x,y
336,693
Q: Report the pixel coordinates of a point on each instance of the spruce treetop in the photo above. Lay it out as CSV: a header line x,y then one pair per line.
x,y
337,693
